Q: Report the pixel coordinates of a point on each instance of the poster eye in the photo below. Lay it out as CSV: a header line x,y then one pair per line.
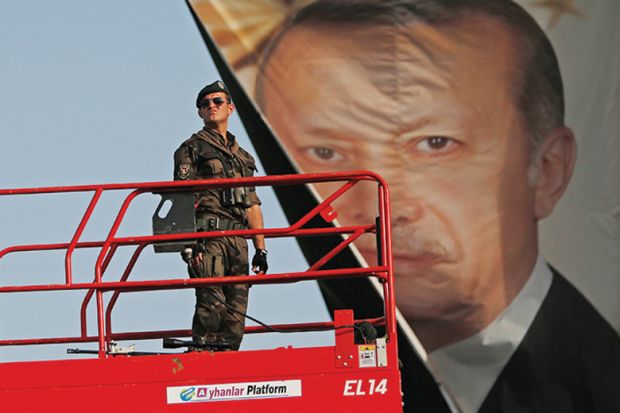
x,y
323,154
434,143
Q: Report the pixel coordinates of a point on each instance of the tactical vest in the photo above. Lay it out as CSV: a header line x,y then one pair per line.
x,y
204,160
214,163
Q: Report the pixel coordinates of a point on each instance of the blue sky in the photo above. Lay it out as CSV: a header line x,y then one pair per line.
x,y
103,92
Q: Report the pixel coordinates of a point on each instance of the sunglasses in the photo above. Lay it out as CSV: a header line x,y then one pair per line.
x,y
216,101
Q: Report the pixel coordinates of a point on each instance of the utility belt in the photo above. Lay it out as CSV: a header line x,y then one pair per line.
x,y
213,223
238,196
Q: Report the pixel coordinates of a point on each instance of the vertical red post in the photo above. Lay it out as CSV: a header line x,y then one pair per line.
x,y
345,339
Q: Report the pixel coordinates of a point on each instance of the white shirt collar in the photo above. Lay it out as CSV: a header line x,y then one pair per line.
x,y
469,368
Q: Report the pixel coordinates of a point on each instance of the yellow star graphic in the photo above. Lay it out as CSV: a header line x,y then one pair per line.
x,y
558,9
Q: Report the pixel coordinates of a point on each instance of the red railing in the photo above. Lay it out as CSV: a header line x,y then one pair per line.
x,y
109,246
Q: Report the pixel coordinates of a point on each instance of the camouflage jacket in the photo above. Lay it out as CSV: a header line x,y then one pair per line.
x,y
206,156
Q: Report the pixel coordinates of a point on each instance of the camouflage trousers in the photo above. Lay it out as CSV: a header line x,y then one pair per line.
x,y
213,321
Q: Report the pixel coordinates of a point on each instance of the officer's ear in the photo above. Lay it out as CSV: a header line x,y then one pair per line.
x,y
231,108
553,169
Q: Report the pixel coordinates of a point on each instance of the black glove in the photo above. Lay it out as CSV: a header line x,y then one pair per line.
x,y
259,262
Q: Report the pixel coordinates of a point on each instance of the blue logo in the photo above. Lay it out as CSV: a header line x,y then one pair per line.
x,y
186,395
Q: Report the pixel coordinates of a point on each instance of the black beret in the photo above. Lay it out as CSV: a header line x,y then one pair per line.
x,y
217,86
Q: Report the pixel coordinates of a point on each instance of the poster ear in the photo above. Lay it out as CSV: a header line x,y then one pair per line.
x,y
554,167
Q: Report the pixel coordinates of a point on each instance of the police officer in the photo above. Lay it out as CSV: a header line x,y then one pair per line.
x,y
213,152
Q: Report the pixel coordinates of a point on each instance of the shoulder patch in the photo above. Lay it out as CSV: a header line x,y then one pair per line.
x,y
183,170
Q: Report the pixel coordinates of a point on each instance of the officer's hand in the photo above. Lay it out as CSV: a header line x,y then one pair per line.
x,y
259,262
187,254
193,256
197,260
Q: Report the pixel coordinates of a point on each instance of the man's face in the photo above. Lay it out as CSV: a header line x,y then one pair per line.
x,y
433,112
215,108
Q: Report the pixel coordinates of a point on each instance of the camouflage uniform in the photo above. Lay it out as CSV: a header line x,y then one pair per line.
x,y
205,156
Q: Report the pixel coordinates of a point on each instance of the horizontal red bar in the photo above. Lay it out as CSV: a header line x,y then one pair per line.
x,y
152,335
163,186
171,284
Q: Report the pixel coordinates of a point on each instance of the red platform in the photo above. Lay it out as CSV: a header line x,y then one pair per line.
x,y
346,377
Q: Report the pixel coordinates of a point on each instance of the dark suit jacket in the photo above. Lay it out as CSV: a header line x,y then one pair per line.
x,y
569,360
